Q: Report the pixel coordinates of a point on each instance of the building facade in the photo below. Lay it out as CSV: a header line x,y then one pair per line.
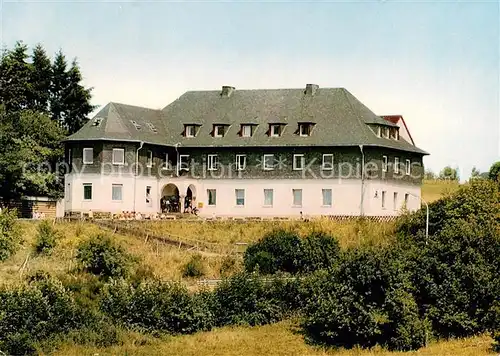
x,y
280,153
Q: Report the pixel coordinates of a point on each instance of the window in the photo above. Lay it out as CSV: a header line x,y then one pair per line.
x,y
213,162
149,162
298,162
69,157
407,196
297,197
68,192
151,127
384,163
268,162
379,131
327,197
408,167
383,199
88,155
305,129
212,196
219,130
190,130
396,165
168,164
87,191
275,130
116,192
118,156
246,130
240,196
149,202
241,162
327,164
184,162
97,121
395,201
268,197
386,132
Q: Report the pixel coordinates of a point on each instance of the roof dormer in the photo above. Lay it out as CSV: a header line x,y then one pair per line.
x,y
276,129
305,128
220,130
191,130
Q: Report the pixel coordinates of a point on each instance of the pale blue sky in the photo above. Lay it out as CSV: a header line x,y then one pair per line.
x,y
437,64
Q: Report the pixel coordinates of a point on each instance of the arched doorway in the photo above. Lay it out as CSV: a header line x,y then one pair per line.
x,y
169,202
190,200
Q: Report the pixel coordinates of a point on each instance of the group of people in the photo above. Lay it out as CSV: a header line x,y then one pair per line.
x,y
172,204
38,215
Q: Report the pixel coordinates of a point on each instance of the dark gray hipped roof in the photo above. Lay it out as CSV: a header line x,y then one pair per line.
x,y
340,120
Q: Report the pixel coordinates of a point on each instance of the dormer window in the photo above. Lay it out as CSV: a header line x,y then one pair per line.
x,y
385,132
305,128
247,130
379,131
275,130
190,130
151,127
97,121
394,133
219,130
136,125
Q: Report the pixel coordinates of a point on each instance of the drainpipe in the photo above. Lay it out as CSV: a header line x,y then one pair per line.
x,y
178,158
136,170
361,207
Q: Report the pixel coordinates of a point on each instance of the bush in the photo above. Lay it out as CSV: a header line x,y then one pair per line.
x,y
34,312
496,341
194,267
229,266
319,251
99,255
157,306
366,300
46,239
10,237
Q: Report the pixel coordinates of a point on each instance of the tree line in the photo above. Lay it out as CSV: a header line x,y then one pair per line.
x,y
449,173
42,100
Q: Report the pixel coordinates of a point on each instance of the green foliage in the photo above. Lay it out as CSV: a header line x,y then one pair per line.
x,y
10,237
101,256
449,173
366,300
285,251
157,306
46,239
194,267
494,173
496,340
35,312
229,266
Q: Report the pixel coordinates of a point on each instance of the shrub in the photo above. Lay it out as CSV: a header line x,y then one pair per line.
x,y
496,341
10,237
157,306
319,251
99,255
229,266
46,239
194,267
277,251
34,312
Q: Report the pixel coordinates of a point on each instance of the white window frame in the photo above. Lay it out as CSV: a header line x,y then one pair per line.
x,y
149,159
395,200
121,192
384,163
379,131
386,132
91,191
323,197
214,196
383,196
212,162
302,161
264,162
86,149
243,127
217,133
241,167
408,167
115,162
293,197
275,130
188,131
302,128
181,168
267,190
167,165
323,165
236,196
396,165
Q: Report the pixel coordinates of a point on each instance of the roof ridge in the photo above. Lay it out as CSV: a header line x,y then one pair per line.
x,y
132,106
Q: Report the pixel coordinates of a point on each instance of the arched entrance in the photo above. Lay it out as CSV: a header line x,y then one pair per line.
x,y
190,199
169,202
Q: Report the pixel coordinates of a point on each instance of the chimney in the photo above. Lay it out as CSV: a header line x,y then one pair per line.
x,y
311,89
227,90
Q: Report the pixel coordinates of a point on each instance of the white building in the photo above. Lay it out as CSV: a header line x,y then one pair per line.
x,y
284,152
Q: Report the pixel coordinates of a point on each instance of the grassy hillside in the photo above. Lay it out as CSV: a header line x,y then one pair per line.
x,y
435,189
